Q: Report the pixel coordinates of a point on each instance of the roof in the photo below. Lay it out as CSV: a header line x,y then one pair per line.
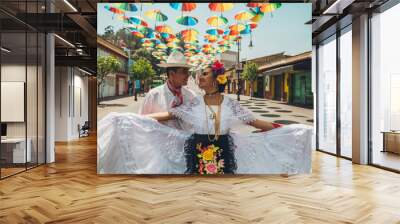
x,y
284,61
111,47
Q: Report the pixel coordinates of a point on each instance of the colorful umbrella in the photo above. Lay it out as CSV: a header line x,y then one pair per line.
x,y
130,7
237,27
215,31
137,34
187,20
269,7
114,10
252,25
189,32
243,15
184,7
138,21
220,7
216,21
156,15
257,15
164,29
211,38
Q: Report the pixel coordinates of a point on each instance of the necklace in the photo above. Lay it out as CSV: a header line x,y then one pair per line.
x,y
212,94
214,116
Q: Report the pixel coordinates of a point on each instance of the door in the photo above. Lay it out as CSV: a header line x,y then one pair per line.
x,y
260,87
278,88
121,86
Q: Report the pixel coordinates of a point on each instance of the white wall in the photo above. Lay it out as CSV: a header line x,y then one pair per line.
x,y
71,94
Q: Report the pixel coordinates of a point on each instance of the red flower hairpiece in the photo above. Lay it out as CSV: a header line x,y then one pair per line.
x,y
218,68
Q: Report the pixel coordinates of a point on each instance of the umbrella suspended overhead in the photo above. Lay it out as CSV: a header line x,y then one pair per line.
x,y
164,29
215,31
184,7
217,21
187,20
138,21
137,33
252,25
114,10
129,7
243,15
270,7
220,7
190,32
237,27
157,15
257,15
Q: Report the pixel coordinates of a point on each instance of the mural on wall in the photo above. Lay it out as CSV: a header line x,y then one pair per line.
x,y
179,116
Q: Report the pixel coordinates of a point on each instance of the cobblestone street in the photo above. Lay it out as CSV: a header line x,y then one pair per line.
x,y
264,109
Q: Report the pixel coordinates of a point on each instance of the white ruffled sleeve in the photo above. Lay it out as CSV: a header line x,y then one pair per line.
x,y
240,112
185,111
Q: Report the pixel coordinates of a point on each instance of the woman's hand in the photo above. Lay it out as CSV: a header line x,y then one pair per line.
x,y
263,125
161,116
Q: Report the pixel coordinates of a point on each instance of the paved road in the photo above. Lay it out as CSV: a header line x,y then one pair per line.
x,y
264,109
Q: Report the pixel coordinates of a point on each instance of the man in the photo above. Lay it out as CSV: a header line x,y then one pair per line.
x,y
172,93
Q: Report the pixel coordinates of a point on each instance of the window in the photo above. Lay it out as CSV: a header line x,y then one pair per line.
x,y
385,88
327,95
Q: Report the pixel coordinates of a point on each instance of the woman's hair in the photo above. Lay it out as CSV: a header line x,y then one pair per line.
x,y
218,72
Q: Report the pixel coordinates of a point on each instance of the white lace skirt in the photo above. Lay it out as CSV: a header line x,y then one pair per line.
x,y
132,144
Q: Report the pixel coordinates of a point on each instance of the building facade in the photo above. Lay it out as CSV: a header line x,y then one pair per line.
x,y
114,84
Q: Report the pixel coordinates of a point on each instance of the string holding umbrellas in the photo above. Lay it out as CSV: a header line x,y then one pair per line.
x,y
221,35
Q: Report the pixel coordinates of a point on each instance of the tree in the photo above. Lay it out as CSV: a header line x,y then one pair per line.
x,y
143,53
109,33
250,74
142,70
106,65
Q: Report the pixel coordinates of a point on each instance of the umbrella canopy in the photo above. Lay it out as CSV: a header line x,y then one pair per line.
x,y
156,15
164,29
257,15
270,7
243,15
217,21
215,31
138,21
130,7
114,10
220,7
184,7
237,27
251,25
187,20
137,33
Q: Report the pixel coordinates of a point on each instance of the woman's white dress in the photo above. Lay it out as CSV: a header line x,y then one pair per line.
x,y
133,144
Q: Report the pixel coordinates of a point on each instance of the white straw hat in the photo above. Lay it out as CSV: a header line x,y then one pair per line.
x,y
175,59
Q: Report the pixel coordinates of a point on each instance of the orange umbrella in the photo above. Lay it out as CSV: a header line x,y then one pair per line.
x,y
237,27
217,21
164,29
220,7
243,15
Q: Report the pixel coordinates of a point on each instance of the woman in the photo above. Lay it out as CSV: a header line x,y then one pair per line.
x,y
129,143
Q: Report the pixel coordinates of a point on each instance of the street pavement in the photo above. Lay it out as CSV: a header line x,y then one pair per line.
x,y
264,109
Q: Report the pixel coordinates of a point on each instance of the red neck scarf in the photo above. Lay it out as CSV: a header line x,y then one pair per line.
x,y
177,92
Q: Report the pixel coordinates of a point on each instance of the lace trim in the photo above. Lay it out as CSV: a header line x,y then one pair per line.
x,y
240,112
184,111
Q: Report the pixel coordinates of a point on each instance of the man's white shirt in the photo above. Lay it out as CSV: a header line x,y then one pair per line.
x,y
160,99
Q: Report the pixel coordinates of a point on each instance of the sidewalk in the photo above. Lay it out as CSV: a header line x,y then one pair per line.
x,y
264,109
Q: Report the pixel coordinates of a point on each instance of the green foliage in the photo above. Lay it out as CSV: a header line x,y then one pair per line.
x,y
105,66
142,70
250,71
143,53
250,74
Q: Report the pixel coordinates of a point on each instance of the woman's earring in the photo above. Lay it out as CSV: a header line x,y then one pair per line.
x,y
214,84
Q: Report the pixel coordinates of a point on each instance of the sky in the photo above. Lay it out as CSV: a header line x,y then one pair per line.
x,y
283,30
